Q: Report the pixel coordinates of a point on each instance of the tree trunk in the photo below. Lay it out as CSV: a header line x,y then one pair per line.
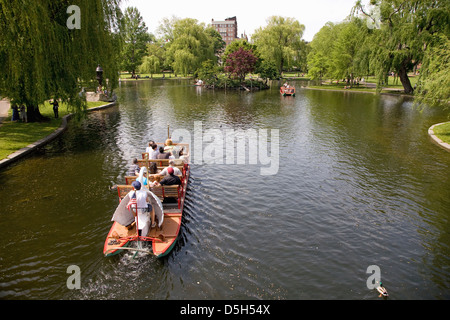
x,y
403,75
34,115
281,67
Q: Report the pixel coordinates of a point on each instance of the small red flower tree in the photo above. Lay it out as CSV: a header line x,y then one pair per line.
x,y
240,63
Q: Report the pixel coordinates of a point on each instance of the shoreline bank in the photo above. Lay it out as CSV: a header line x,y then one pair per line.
x,y
19,154
396,93
436,139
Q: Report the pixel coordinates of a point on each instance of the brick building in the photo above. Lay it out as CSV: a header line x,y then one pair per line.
x,y
227,29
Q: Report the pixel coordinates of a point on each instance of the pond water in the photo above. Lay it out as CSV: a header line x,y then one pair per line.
x,y
355,181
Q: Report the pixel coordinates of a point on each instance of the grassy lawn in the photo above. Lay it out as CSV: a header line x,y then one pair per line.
x,y
17,135
443,132
394,85
342,86
295,75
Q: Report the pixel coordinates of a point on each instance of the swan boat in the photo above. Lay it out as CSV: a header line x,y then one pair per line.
x,y
287,91
168,205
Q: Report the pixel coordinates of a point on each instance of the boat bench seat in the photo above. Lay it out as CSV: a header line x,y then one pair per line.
x,y
161,192
151,178
160,162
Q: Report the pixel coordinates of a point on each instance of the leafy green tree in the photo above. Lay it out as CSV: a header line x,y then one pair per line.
x,y
405,29
135,39
300,57
184,62
208,72
165,29
434,81
189,47
42,58
217,41
350,37
320,57
268,70
156,48
151,64
279,41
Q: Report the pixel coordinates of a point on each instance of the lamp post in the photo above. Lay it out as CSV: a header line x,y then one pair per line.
x,y
99,71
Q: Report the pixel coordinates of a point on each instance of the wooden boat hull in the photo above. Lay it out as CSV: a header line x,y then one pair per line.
x,y
163,239
161,246
173,220
112,246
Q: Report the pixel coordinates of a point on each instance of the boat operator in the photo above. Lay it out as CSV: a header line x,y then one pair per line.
x,y
145,212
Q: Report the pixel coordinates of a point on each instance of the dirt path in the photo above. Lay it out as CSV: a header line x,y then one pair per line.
x,y
4,108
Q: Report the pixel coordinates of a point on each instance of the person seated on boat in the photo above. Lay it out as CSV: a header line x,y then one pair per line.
x,y
147,183
165,171
182,156
145,212
154,153
162,154
151,184
168,146
149,149
134,168
152,168
170,179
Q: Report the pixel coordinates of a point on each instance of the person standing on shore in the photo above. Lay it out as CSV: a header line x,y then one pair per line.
x,y
55,107
15,112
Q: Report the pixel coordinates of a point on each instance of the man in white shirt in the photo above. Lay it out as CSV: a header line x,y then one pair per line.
x,y
176,171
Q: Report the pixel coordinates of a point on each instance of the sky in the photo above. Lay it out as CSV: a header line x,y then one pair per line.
x,y
250,14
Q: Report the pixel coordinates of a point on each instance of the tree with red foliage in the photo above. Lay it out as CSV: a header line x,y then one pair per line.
x,y
240,63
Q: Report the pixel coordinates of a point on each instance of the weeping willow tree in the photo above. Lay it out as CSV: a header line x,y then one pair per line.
x,y
47,50
280,41
191,44
434,81
135,38
404,30
150,64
